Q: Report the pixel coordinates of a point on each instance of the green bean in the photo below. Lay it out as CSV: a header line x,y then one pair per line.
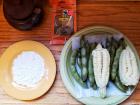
x,y
73,57
116,63
91,73
84,61
112,56
119,84
83,52
114,46
92,47
73,69
122,43
79,60
111,50
84,72
82,42
87,46
115,60
91,76
108,44
115,43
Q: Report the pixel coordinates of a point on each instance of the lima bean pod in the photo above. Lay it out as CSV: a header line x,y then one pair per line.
x,y
115,64
119,84
84,61
90,69
79,60
87,46
111,48
122,43
73,69
114,46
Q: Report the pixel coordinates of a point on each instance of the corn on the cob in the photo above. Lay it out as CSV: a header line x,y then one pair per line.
x,y
101,63
128,68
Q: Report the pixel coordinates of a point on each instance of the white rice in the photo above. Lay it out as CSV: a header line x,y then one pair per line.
x,y
28,68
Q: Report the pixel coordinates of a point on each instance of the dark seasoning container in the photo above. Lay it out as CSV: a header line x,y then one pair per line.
x,y
63,20
23,14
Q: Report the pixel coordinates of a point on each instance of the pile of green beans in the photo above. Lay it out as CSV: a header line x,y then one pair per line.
x,y
83,58
116,63
115,48
73,69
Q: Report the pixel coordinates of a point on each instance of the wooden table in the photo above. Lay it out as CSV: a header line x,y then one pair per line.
x,y
122,15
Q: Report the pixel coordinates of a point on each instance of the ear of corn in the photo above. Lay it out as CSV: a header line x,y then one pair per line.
x,y
101,62
128,69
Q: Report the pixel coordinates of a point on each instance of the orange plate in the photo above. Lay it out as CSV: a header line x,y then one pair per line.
x,y
19,92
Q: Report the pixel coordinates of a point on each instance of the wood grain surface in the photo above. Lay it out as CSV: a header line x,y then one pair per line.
x,y
122,15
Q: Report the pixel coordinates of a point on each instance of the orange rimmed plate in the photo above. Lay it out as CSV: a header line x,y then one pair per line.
x,y
26,93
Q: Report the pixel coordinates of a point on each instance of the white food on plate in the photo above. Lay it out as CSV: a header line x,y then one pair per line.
x,y
28,68
128,68
101,62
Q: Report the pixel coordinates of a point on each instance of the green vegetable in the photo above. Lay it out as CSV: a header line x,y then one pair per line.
x,y
115,64
84,60
114,46
112,57
115,55
82,41
122,43
92,47
91,73
114,43
87,46
73,69
119,84
91,76
110,45
84,72
79,60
